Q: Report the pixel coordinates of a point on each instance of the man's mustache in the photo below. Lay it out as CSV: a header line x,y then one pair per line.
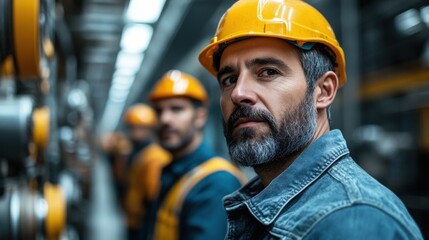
x,y
252,114
167,128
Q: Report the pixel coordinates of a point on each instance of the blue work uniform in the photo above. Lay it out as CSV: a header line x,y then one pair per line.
x,y
202,215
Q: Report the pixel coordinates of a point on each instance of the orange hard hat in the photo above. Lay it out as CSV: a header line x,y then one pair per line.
x,y
178,84
292,20
140,115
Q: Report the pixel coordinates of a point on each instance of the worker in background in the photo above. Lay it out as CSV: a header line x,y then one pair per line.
x,y
279,67
189,205
116,146
143,166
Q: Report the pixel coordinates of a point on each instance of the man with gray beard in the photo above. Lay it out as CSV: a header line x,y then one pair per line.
x,y
279,67
294,131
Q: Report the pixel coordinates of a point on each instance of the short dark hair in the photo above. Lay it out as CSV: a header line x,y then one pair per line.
x,y
196,103
316,62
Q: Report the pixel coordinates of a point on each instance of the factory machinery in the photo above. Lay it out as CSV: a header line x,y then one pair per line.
x,y
46,148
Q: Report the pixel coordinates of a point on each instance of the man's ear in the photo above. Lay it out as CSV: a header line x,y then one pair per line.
x,y
325,90
200,117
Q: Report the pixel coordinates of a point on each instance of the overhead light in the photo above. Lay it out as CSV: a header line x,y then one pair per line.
x,y
122,82
124,72
408,22
111,116
129,61
116,95
120,88
145,11
136,37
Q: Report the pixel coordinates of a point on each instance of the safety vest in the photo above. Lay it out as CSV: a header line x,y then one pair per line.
x,y
167,223
144,181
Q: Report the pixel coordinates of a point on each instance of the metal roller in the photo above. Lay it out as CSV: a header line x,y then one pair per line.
x,y
15,127
26,214
19,215
5,219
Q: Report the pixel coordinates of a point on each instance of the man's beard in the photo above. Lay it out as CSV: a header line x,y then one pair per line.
x,y
185,139
291,135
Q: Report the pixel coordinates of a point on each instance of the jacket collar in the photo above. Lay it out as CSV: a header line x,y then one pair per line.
x,y
182,165
266,203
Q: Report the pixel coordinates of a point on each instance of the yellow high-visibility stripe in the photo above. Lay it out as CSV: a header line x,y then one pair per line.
x,y
167,224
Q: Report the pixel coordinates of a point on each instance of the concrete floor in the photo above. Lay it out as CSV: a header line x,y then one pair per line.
x,y
105,218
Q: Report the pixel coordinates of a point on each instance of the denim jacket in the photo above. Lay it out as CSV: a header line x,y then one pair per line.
x,y
323,194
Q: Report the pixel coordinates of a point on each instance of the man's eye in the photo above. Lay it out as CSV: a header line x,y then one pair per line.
x,y
228,81
268,73
176,108
158,110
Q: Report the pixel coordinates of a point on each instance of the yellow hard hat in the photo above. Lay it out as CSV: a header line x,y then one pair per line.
x,y
293,20
140,115
178,84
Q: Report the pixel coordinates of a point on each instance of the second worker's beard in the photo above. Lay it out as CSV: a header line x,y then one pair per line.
x,y
185,138
295,130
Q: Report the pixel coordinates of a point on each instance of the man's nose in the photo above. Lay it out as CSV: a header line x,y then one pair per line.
x,y
244,90
165,117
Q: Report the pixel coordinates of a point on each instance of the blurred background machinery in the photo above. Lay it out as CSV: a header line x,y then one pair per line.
x,y
69,68
45,120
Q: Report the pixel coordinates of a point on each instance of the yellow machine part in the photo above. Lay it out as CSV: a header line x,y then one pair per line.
x,y
41,127
26,33
6,68
48,48
56,216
